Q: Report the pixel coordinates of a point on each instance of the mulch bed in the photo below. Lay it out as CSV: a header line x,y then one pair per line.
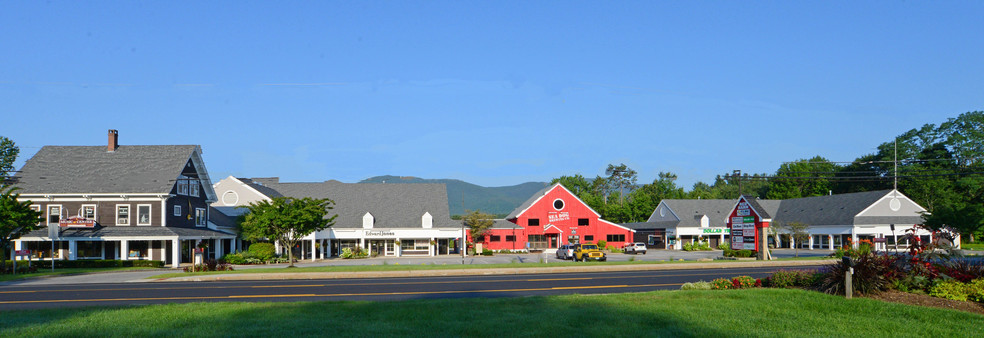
x,y
926,300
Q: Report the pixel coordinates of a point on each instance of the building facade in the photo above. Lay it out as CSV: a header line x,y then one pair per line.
x,y
386,219
553,217
120,202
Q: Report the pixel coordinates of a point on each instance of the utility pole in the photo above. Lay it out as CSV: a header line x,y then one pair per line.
x,y
737,173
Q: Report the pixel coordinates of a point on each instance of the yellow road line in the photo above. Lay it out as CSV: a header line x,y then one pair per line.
x,y
335,295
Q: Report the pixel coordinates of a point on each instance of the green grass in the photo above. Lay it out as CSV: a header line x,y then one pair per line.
x,y
972,246
65,271
731,313
408,267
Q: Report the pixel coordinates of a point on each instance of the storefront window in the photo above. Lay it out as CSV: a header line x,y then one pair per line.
x,y
138,249
88,249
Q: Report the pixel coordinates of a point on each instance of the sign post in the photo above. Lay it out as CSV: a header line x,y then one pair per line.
x,y
53,234
749,229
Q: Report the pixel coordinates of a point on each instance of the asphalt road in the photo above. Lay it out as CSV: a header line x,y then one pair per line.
x,y
377,289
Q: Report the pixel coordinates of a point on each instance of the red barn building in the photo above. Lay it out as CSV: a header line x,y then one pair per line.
x,y
553,217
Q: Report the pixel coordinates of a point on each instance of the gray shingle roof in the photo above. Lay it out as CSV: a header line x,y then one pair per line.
x,y
837,209
91,169
134,231
392,205
689,211
759,209
529,202
505,224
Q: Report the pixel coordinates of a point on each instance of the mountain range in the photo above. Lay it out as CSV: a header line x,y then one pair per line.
x,y
467,196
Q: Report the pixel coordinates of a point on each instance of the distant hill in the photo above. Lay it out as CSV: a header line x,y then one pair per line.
x,y
492,200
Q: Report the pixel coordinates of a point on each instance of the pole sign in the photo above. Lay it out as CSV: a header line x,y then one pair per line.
x,y
742,222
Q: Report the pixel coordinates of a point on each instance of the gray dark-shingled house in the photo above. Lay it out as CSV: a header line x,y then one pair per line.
x,y
141,202
386,219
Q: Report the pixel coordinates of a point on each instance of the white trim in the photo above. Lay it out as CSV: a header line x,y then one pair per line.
x,y
227,192
520,214
95,211
129,215
667,207
552,226
554,204
177,210
610,223
206,181
896,194
47,215
37,207
241,183
204,218
150,214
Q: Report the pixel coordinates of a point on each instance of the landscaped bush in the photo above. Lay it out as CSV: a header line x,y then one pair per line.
x,y
241,258
721,284
209,265
975,290
697,246
792,278
744,282
739,253
486,252
263,251
949,289
602,244
701,285
724,246
353,252
872,274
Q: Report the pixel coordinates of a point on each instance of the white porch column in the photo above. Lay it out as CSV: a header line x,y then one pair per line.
x,y
399,248
830,240
124,250
218,248
17,246
430,248
323,245
811,242
276,247
854,239
175,253
314,249
71,250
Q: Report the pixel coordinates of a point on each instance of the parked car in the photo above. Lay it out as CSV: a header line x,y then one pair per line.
x,y
565,251
635,248
587,251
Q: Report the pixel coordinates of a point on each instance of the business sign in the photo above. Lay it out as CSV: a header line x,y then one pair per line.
x,y
370,233
717,231
555,217
742,224
22,252
77,222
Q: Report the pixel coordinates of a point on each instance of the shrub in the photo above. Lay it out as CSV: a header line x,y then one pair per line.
x,y
975,290
209,265
744,282
90,263
238,258
724,246
263,251
949,289
486,252
602,244
793,278
701,285
870,275
721,284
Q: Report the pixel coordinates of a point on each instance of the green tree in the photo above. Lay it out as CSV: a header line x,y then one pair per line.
x,y
286,220
620,179
803,178
16,219
478,224
8,154
798,232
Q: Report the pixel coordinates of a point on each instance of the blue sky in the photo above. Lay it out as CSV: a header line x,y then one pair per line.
x,y
494,93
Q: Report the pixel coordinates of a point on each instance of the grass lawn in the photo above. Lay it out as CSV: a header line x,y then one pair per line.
x,y
972,246
743,313
407,267
65,271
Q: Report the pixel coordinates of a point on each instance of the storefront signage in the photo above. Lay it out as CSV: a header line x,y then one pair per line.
x,y
559,216
717,231
22,252
77,222
742,225
370,233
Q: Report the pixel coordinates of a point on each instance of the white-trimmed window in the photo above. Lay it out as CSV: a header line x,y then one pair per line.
x,y
143,214
200,217
193,187
38,209
182,185
54,214
122,214
177,210
88,211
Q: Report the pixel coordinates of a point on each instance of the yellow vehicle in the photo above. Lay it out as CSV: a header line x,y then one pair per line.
x,y
588,251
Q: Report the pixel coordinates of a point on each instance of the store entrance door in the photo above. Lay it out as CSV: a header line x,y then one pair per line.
x,y
552,238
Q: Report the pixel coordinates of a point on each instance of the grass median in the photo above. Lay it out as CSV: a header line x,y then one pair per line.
x,y
65,271
706,313
386,266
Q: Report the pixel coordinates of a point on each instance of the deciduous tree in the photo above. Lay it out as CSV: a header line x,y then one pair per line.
x,y
286,220
16,219
8,154
478,223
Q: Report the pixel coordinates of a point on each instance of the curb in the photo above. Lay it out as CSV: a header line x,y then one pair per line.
x,y
486,272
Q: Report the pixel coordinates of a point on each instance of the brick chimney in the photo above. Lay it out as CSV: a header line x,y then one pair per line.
x,y
114,140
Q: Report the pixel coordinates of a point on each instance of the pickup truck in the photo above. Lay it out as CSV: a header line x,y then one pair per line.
x,y
635,248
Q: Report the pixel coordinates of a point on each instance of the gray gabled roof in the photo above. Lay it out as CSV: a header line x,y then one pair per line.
x,y
92,169
837,209
529,202
753,203
258,185
690,211
392,205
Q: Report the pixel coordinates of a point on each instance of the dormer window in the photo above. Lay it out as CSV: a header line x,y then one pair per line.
x,y
427,221
367,221
187,186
